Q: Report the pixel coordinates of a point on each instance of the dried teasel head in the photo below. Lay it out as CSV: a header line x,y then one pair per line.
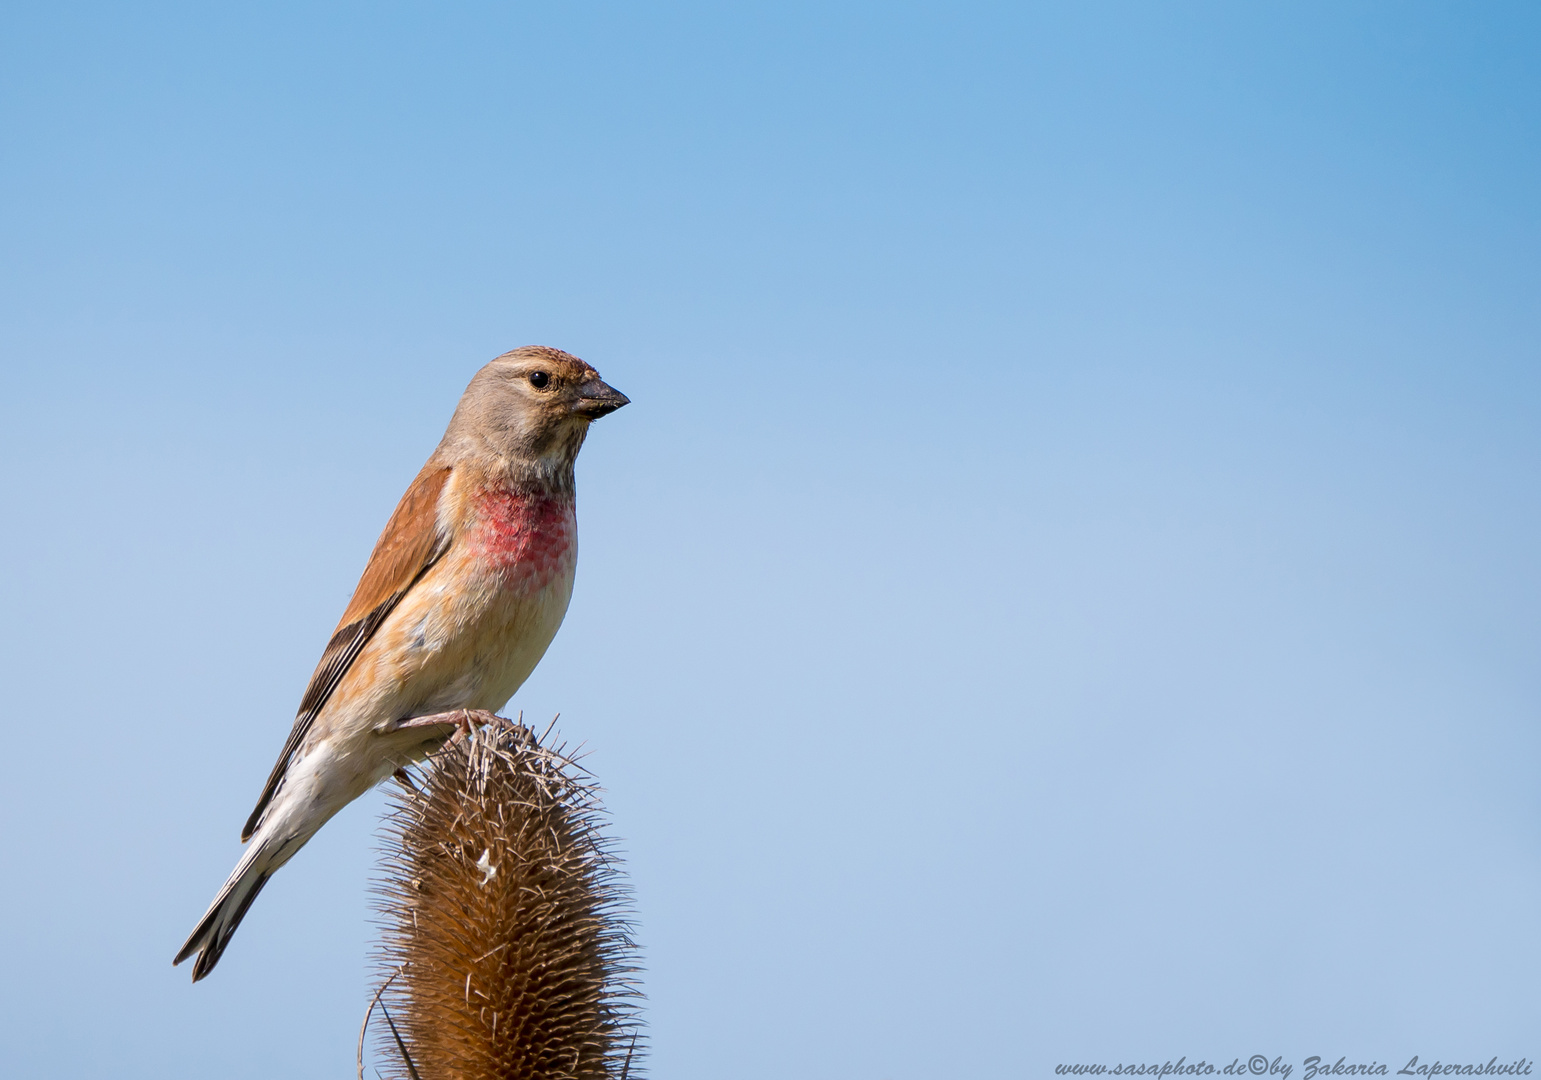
x,y
505,947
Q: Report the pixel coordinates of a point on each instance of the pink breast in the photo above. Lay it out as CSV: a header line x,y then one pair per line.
x,y
527,538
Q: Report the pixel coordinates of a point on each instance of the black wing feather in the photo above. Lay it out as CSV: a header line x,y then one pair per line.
x,y
343,649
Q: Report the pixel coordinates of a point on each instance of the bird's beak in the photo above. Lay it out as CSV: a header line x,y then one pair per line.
x,y
597,398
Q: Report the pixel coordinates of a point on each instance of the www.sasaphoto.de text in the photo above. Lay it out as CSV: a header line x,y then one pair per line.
x,y
1311,1067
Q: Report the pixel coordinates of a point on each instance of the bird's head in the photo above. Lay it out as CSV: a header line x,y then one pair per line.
x,y
531,407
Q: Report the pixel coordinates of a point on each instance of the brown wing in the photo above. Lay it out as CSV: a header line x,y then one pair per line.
x,y
409,546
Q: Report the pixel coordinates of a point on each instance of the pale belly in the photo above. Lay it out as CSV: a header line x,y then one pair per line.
x,y
468,635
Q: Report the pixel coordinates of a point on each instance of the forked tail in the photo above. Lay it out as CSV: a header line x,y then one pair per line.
x,y
304,803
229,907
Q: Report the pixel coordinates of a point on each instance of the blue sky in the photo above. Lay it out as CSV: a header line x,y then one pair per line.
x,y
1065,589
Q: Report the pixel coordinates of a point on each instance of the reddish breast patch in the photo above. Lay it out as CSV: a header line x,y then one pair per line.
x,y
527,538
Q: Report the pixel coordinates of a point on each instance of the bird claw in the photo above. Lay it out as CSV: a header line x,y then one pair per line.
x,y
463,728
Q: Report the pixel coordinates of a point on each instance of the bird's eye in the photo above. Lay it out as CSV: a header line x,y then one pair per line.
x,y
539,379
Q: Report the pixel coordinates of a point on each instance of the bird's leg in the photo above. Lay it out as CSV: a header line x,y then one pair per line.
x,y
464,721
454,718
404,779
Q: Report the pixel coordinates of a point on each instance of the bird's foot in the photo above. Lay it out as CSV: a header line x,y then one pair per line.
x,y
464,721
404,778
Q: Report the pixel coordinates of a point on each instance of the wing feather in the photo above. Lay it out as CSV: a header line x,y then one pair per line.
x,y
408,548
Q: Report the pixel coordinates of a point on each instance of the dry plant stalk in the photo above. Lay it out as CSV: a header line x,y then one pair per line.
x,y
506,952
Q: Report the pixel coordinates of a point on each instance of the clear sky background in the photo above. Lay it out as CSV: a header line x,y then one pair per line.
x,y
1066,588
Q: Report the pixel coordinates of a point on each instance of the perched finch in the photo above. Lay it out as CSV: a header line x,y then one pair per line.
x,y
463,593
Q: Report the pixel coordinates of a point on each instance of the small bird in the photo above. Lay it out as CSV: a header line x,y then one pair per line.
x,y
464,591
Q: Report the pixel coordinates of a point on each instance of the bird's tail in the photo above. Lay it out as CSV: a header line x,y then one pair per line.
x,y
261,859
304,803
